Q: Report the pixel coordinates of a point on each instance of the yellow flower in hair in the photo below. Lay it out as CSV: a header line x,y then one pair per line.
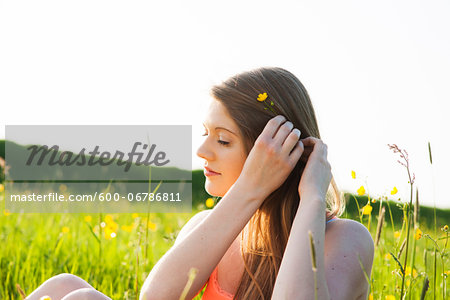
x,y
262,97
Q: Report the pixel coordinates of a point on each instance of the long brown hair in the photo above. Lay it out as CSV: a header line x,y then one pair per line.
x,y
268,229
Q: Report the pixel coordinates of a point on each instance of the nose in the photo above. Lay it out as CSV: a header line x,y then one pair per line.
x,y
204,152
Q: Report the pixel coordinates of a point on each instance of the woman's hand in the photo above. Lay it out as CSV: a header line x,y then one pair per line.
x,y
272,158
316,176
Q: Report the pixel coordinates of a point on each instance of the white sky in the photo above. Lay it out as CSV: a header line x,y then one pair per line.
x,y
377,72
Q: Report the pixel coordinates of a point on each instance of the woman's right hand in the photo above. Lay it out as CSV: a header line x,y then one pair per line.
x,y
270,161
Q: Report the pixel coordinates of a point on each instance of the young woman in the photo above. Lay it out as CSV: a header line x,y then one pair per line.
x,y
264,157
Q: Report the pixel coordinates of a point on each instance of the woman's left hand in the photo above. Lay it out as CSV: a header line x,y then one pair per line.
x,y
316,176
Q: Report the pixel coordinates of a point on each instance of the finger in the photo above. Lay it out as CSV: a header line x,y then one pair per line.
x,y
283,132
290,141
296,153
272,126
316,144
310,141
306,153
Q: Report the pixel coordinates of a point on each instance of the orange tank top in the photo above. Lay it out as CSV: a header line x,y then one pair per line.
x,y
214,292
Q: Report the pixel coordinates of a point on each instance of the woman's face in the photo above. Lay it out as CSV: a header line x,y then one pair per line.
x,y
222,149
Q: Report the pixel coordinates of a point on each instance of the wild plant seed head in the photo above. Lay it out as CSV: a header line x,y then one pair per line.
x,y
313,251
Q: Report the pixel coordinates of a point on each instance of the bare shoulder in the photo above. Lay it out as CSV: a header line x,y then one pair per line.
x,y
349,252
196,219
347,229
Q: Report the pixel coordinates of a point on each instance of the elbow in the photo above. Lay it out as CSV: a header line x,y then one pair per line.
x,y
147,294
151,292
144,293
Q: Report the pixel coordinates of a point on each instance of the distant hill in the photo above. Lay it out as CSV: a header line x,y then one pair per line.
x,y
199,195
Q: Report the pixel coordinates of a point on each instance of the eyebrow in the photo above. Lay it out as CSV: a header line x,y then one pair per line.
x,y
223,129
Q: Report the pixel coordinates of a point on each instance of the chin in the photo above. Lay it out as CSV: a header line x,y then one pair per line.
x,y
213,190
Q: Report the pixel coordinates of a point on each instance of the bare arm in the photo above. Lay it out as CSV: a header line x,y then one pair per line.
x,y
272,158
202,248
338,270
295,278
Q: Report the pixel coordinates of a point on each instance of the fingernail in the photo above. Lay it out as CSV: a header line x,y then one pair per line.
x,y
297,132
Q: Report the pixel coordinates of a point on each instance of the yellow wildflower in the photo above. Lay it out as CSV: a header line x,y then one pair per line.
x,y
367,209
390,297
88,219
397,234
361,191
110,226
127,228
135,215
353,175
445,228
408,282
262,97
387,256
152,226
109,219
2,187
394,191
65,229
6,212
408,272
62,188
370,296
374,200
418,234
109,233
209,202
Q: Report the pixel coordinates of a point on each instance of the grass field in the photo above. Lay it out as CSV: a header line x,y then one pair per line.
x,y
115,253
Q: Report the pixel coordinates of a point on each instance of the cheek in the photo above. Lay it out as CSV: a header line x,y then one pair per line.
x,y
236,166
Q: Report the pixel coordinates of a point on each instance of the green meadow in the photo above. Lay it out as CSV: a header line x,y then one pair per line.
x,y
115,252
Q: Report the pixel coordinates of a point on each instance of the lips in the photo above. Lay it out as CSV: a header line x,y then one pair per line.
x,y
209,172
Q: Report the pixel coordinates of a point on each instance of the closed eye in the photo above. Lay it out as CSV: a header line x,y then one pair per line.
x,y
219,141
